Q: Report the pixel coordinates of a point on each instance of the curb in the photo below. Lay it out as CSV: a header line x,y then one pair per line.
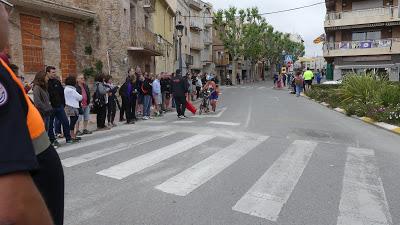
x,y
385,126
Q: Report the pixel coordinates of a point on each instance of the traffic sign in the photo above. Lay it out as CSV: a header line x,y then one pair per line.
x,y
288,58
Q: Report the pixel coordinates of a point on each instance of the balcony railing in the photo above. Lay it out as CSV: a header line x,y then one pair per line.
x,y
365,16
368,44
362,48
188,59
208,22
143,39
196,24
385,11
207,40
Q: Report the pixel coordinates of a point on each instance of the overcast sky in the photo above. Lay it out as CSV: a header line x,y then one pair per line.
x,y
307,22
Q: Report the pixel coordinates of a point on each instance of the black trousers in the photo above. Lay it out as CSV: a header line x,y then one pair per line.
x,y
180,105
121,110
49,180
101,116
111,111
130,109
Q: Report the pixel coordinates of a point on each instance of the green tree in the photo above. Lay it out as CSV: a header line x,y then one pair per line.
x,y
230,29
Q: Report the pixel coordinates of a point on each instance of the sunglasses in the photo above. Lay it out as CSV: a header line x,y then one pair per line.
x,y
8,6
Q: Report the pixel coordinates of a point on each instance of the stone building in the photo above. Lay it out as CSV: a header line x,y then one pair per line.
x,y
84,35
49,33
200,35
182,15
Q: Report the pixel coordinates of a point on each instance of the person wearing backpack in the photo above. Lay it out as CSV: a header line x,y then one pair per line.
x,y
298,81
100,102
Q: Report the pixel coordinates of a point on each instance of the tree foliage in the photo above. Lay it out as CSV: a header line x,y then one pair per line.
x,y
245,33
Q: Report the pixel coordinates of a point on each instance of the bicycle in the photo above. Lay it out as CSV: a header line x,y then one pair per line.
x,y
205,103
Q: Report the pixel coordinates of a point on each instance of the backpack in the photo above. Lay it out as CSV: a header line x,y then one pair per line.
x,y
98,99
298,81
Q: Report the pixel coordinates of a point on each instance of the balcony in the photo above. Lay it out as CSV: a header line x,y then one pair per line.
x,y
221,60
360,17
146,42
194,4
362,48
208,22
195,24
188,60
207,40
149,6
196,42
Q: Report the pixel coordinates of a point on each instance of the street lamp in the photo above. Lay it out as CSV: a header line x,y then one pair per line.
x,y
179,27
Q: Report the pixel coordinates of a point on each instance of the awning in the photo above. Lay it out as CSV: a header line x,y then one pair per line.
x,y
55,8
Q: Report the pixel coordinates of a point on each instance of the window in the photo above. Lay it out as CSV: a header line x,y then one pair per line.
x,y
367,35
31,43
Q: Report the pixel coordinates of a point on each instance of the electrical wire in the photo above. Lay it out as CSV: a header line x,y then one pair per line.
x,y
266,13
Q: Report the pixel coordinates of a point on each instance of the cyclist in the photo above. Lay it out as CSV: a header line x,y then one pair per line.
x,y
212,87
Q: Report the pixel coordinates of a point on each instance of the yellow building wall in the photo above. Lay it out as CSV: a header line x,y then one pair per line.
x,y
163,24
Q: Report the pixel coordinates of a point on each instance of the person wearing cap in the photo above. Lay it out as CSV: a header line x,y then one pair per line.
x,y
31,174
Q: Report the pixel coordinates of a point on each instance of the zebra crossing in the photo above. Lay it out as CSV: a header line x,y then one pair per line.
x,y
362,200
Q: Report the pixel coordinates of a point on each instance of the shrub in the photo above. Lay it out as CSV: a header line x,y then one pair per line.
x,y
389,95
363,88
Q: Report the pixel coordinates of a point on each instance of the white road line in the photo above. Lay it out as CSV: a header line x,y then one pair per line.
x,y
267,196
363,199
184,122
154,121
192,178
140,163
248,119
224,123
97,141
261,88
73,161
212,116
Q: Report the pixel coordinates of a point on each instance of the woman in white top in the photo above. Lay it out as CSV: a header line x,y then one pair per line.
x,y
72,99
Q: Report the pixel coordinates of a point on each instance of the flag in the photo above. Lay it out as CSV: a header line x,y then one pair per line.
x,y
319,39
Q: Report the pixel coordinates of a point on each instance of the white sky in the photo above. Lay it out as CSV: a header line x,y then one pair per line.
x,y
308,22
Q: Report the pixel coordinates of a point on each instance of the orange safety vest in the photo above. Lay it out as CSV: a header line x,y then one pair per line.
x,y
34,120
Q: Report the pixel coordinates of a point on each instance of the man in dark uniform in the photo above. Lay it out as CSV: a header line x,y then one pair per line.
x,y
31,175
180,88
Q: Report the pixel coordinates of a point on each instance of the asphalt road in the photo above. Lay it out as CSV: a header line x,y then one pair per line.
x,y
266,157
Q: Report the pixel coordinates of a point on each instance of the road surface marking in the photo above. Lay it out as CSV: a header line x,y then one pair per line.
x,y
192,178
261,88
73,161
210,115
363,199
154,121
267,196
224,123
248,119
184,122
97,141
140,163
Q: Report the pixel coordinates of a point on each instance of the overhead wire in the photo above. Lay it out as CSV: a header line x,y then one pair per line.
x,y
266,13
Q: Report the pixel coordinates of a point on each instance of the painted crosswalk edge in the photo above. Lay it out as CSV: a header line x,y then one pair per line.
x,y
363,199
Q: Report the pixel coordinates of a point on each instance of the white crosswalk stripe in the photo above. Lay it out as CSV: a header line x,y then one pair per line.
x,y
73,161
219,114
192,178
363,199
268,195
135,165
224,123
97,141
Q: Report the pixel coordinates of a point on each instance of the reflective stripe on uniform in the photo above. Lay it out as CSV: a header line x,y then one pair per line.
x,y
34,120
